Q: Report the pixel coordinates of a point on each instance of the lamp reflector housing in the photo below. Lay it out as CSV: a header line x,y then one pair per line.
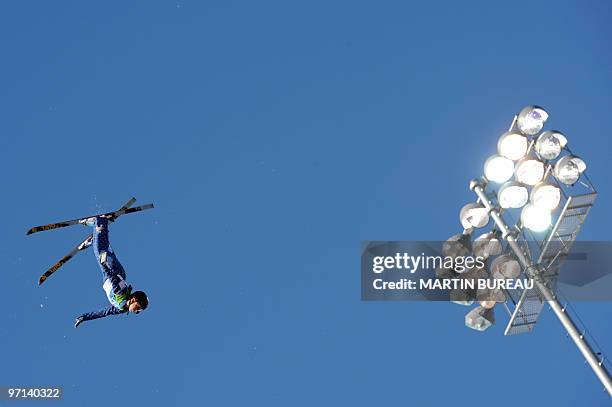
x,y
531,120
480,318
459,245
487,245
504,267
474,215
488,297
549,144
568,169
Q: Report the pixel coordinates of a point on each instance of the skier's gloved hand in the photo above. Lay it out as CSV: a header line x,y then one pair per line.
x,y
78,321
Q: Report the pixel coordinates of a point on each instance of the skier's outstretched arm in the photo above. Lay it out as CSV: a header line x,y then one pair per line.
x,y
104,312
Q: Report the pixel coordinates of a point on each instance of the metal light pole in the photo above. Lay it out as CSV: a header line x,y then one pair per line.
x,y
543,179
532,272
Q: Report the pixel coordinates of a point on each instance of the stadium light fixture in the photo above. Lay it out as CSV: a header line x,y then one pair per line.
x,y
457,245
568,169
550,144
536,157
480,318
531,120
505,267
487,245
474,215
489,298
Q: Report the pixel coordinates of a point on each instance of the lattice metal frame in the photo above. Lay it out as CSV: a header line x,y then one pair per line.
x,y
553,252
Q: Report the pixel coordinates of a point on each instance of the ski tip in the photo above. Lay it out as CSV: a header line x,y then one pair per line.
x,y
30,232
40,281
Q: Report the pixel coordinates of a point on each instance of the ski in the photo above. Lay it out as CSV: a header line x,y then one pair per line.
x,y
63,224
81,246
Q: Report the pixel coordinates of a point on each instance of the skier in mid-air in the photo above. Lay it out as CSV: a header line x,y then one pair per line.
x,y
118,292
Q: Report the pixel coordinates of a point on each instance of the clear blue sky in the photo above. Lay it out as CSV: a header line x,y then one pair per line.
x,y
274,137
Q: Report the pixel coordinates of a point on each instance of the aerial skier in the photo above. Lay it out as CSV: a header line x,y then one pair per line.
x,y
119,293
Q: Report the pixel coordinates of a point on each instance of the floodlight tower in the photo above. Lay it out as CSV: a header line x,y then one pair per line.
x,y
536,177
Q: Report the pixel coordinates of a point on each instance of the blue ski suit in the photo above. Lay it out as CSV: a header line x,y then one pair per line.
x,y
113,275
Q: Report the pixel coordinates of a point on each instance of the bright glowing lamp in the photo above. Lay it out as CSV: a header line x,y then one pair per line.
x,y
512,195
512,146
529,171
531,120
568,169
535,218
550,144
498,169
546,196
